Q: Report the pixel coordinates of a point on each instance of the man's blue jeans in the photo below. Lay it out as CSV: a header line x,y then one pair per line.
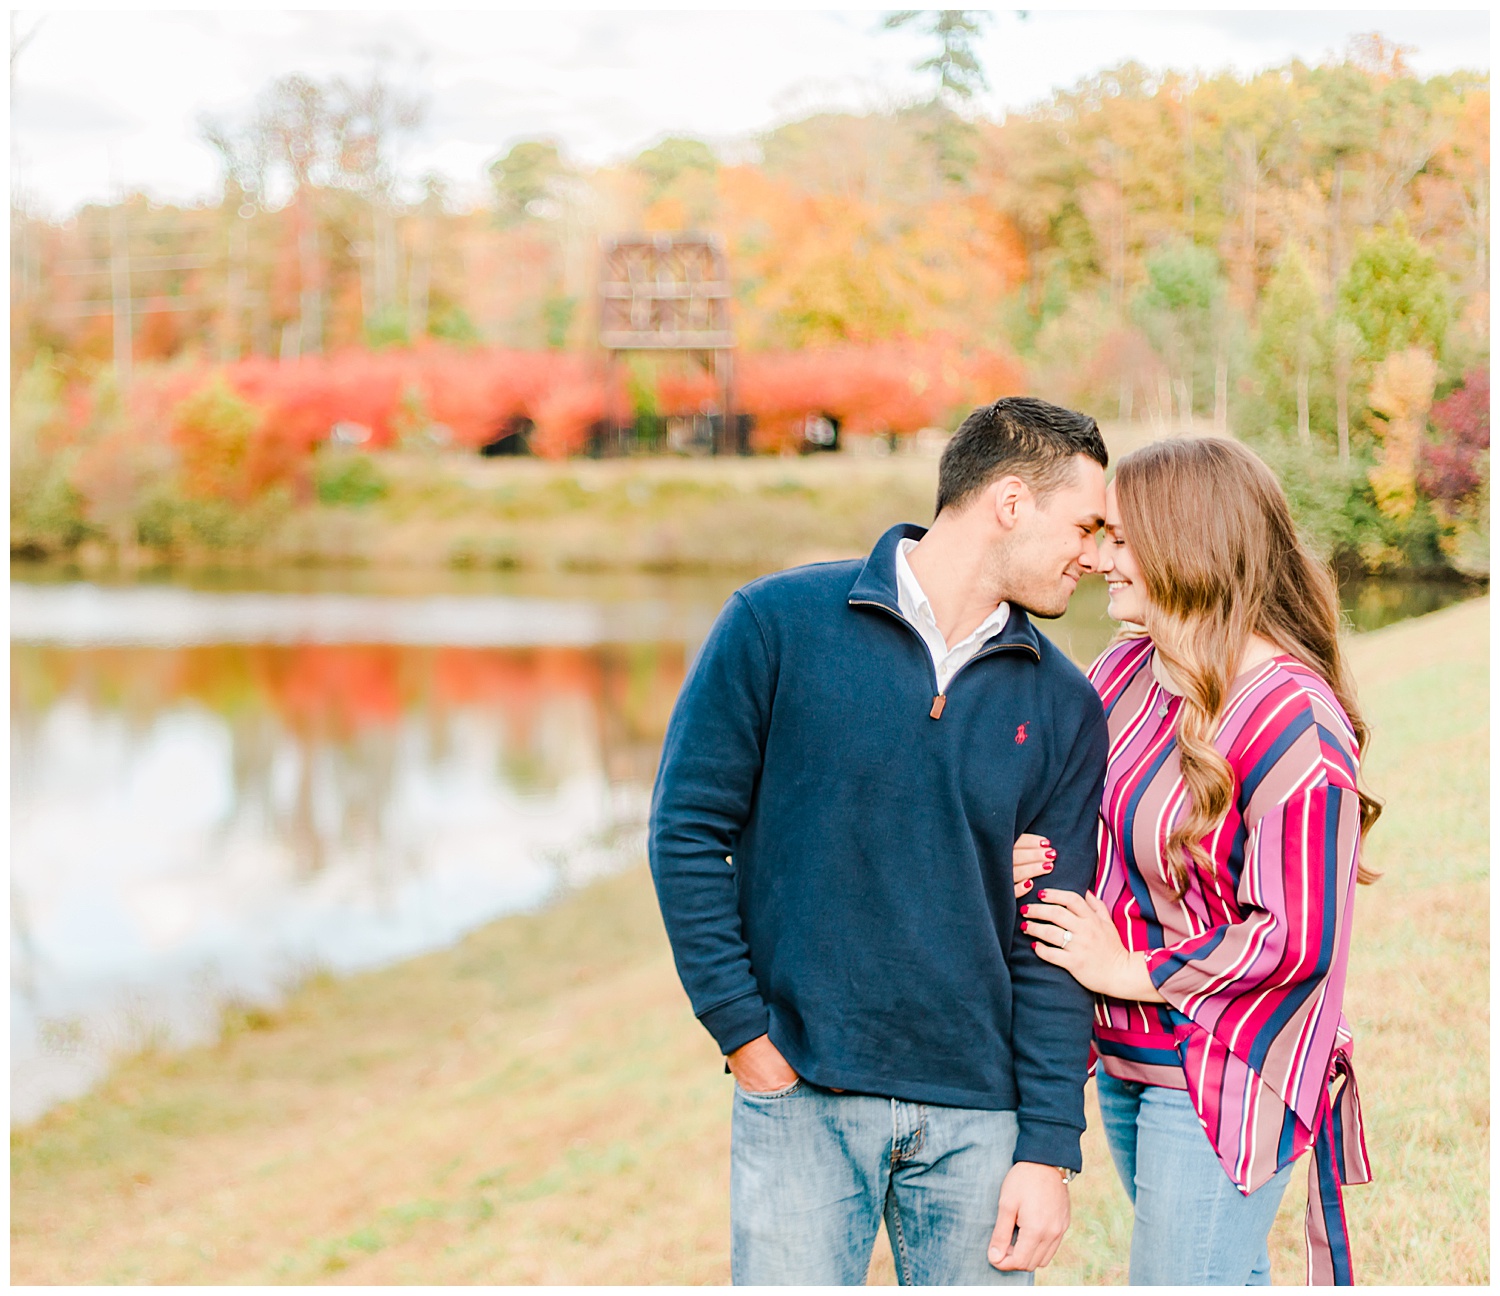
x,y
812,1172
1192,1225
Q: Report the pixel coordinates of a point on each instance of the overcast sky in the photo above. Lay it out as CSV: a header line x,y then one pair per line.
x,y
106,99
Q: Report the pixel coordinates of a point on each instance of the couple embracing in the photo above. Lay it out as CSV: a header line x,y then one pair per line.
x,y
921,875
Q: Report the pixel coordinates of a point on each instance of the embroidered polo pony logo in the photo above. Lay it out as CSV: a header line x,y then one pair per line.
x,y
1021,733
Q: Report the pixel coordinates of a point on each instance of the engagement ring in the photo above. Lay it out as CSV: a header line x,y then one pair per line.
x,y
1067,936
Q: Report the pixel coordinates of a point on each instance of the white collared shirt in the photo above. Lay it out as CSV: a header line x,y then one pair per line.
x,y
917,610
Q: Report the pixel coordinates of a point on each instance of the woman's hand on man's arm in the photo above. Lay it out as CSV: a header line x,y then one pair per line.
x,y
1033,858
1076,933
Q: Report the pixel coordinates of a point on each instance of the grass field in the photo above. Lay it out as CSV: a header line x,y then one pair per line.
x,y
538,1105
663,514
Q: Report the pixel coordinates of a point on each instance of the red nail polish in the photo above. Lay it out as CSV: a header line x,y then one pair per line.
x,y
1046,868
1026,885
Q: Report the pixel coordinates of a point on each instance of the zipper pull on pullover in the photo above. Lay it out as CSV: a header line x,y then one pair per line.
x,y
938,703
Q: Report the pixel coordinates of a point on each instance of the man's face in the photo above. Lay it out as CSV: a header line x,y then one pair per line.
x,y
1054,542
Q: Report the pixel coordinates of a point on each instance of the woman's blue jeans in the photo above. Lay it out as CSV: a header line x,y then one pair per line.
x,y
1192,1225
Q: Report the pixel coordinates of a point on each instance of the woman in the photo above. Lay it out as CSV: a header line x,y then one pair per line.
x,y
1218,940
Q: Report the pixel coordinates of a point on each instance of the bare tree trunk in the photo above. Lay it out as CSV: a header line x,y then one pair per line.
x,y
1482,243
1304,423
1335,232
364,255
310,301
384,267
1117,231
1033,277
1187,161
234,296
1184,390
1341,374
418,287
119,285
1221,394
1251,206
1120,255
261,339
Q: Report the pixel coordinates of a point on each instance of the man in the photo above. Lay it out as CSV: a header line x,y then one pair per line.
x,y
850,761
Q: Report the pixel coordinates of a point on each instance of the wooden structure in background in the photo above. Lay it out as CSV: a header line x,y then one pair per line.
x,y
670,292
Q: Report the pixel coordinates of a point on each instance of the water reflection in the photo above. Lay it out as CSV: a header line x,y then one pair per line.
x,y
196,823
216,791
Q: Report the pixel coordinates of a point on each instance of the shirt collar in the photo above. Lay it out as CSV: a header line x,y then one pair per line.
x,y
876,584
908,584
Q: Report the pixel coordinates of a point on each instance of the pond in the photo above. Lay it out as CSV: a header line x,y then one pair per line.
x,y
220,787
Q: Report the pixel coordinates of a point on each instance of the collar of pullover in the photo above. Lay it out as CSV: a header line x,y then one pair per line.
x,y
876,583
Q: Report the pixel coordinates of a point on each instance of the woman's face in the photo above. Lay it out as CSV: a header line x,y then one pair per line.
x,y
1127,591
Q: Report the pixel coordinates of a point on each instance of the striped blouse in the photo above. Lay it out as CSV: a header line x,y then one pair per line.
x,y
1253,957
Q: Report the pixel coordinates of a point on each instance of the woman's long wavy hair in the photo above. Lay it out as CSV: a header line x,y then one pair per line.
x,y
1209,526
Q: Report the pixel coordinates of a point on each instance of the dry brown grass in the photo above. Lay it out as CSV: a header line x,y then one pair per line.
x,y
730,514
538,1105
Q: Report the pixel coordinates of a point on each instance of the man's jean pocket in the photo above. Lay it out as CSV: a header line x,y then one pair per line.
x,y
774,1093
812,1173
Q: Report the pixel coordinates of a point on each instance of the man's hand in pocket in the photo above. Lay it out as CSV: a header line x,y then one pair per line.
x,y
759,1067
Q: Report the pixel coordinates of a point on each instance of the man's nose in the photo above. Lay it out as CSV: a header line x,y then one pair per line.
x,y
1089,558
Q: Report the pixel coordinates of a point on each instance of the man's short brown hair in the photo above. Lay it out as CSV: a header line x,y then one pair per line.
x,y
1020,436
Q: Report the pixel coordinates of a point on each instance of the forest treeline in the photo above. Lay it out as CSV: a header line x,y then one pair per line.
x,y
1300,256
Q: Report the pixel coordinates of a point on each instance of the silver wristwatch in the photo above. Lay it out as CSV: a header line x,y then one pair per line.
x,y
1067,1175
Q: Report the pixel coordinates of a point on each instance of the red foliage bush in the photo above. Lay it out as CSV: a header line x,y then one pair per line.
x,y
303,399
1453,466
477,392
888,387
686,393
563,416
472,392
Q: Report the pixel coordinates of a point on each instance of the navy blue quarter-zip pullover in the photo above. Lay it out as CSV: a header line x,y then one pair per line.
x,y
832,847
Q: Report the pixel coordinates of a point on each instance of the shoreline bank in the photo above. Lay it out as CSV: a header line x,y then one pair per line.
x,y
457,513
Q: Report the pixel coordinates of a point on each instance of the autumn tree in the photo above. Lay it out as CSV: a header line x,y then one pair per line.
x,y
960,75
1290,346
957,65
1181,311
297,122
1395,294
372,120
535,188
1454,472
676,155
1342,125
527,181
679,178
